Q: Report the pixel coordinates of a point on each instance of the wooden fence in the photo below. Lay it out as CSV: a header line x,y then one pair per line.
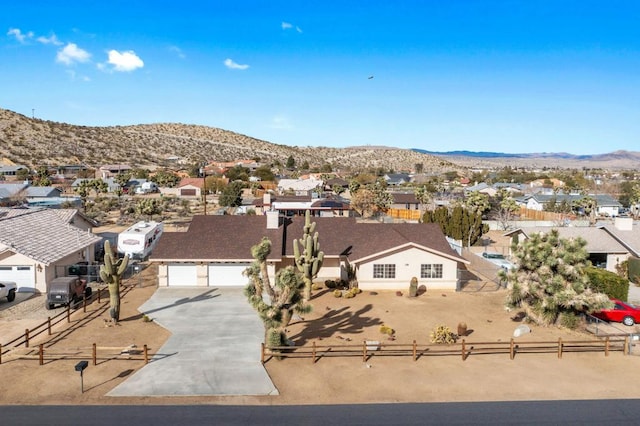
x,y
404,214
95,353
24,341
462,349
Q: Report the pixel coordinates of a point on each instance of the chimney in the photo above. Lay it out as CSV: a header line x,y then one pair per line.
x,y
624,223
266,199
273,219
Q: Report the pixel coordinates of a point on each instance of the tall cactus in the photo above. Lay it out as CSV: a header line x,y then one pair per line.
x,y
309,260
111,272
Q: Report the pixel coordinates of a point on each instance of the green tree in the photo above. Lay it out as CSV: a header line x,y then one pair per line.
x,y
231,195
275,303
507,207
290,163
549,281
165,178
41,177
305,165
238,173
264,173
424,196
148,207
586,206
122,178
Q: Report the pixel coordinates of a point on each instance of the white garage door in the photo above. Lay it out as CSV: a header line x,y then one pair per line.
x,y
184,274
227,274
23,276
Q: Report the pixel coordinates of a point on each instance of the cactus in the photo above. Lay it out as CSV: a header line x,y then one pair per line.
x,y
111,272
443,334
413,287
307,254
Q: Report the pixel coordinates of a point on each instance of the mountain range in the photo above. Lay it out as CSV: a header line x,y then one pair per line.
x,y
34,142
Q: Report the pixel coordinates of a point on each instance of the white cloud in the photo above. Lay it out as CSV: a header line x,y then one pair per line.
x,y
177,51
288,26
72,53
281,122
50,40
234,66
19,35
125,61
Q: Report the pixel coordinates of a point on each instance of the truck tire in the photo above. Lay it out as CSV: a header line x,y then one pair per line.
x,y
11,296
48,305
87,292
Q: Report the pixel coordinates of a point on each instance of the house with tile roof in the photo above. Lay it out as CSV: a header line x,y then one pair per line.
x,y
215,250
190,187
35,243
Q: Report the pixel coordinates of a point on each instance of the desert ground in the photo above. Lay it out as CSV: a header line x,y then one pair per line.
x,y
329,380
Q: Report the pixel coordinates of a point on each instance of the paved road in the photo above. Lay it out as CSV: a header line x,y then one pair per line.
x,y
214,348
599,412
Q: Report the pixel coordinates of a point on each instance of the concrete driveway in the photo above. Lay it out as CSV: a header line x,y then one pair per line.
x,y
214,348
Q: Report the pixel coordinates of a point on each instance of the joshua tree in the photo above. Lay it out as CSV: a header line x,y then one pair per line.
x,y
309,261
284,295
549,281
111,272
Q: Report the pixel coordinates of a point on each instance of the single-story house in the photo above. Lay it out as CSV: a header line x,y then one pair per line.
x,y
330,206
605,251
299,186
37,244
397,179
191,187
10,172
9,192
605,204
215,250
111,170
404,201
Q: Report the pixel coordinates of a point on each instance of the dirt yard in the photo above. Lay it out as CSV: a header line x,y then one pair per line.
x,y
332,380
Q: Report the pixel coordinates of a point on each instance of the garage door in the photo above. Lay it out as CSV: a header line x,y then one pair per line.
x,y
23,276
188,192
227,274
184,274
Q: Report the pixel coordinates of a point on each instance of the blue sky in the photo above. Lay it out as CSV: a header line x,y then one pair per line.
x,y
506,76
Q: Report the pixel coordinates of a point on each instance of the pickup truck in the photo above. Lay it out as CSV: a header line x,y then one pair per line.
x,y
8,290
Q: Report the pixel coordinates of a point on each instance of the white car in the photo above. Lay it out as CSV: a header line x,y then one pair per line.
x,y
498,259
8,290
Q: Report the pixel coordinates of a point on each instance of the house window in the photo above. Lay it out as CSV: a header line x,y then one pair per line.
x,y
431,270
384,270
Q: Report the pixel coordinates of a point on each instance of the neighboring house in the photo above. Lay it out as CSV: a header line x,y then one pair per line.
x,y
605,204
11,171
330,206
215,251
111,170
299,186
48,196
492,190
627,233
112,185
191,187
37,244
404,201
11,191
605,251
397,179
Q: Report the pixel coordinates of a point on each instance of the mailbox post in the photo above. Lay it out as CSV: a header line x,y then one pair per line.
x,y
80,367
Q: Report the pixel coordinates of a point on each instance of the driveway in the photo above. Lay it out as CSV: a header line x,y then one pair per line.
x,y
214,348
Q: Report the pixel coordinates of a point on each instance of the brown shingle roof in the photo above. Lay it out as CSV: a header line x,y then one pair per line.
x,y
221,238
230,238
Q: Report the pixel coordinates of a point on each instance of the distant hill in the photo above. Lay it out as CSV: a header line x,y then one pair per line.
x,y
35,142
614,160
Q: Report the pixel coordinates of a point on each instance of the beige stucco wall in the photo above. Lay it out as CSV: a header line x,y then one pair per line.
x,y
332,268
408,266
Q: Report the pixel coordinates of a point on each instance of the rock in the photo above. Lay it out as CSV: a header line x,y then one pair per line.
x,y
521,330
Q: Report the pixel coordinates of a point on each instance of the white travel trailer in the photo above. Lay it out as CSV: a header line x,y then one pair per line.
x,y
139,240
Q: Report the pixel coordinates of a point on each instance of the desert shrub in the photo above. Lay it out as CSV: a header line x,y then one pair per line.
x,y
348,295
330,284
316,286
443,334
570,320
385,329
337,293
609,283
